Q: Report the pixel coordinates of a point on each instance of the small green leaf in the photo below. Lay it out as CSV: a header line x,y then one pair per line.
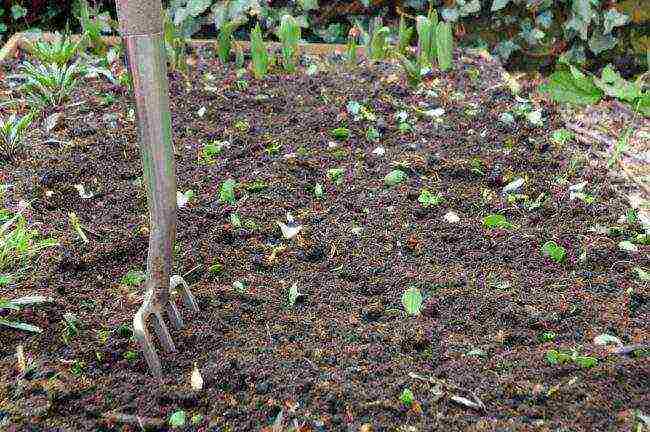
x,y
412,301
585,362
429,199
20,326
178,419
340,133
227,192
572,87
335,175
17,12
642,274
497,221
407,397
395,177
554,251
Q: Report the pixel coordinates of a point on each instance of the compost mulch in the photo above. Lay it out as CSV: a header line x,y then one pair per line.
x,y
339,358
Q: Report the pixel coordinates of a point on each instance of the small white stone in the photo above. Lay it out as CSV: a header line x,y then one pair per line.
x,y
451,217
379,151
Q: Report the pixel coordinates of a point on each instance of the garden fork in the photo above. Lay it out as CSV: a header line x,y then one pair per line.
x,y
141,28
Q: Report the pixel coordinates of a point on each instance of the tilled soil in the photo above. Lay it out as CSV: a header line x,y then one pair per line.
x,y
339,358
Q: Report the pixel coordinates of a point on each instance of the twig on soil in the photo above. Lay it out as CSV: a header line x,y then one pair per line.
x,y
476,403
144,423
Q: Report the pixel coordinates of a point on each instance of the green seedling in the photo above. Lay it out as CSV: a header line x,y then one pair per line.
x,y
273,149
216,269
412,69
259,53
407,398
18,243
178,419
227,192
12,134
336,175
395,178
48,85
548,336
76,226
429,199
210,151
497,221
372,134
257,186
71,325
557,357
239,287
77,368
289,35
130,356
133,278
554,251
405,34
318,191
444,46
235,221
412,301
562,136
378,44
225,40
242,126
340,133
60,51
352,46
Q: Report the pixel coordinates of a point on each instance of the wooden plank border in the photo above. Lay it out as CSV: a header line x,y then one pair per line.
x,y
19,40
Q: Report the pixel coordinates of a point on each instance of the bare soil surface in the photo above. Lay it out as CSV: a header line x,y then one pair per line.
x,y
337,360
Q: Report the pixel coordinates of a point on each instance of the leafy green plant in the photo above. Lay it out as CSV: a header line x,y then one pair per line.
x,y
554,251
412,301
93,25
395,177
178,419
497,221
225,39
378,47
404,36
426,28
60,51
412,69
335,175
444,46
12,134
175,45
227,192
211,150
558,357
340,133
621,145
547,336
289,35
48,85
259,53
429,199
133,278
351,46
407,398
572,86
17,304
18,243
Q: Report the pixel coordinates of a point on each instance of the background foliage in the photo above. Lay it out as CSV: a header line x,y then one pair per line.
x,y
522,32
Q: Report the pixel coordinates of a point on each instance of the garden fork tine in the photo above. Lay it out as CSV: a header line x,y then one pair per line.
x,y
141,27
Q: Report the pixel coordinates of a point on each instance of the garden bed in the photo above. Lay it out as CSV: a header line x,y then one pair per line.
x,y
479,356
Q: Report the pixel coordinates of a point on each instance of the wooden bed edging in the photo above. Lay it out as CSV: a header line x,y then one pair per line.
x,y
19,41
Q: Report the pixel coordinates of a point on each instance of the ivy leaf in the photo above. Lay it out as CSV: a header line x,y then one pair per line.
x,y
449,14
505,49
601,42
197,7
545,19
614,18
499,4
17,12
572,86
470,7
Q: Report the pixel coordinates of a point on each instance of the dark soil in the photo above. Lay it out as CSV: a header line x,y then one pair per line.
x,y
338,359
